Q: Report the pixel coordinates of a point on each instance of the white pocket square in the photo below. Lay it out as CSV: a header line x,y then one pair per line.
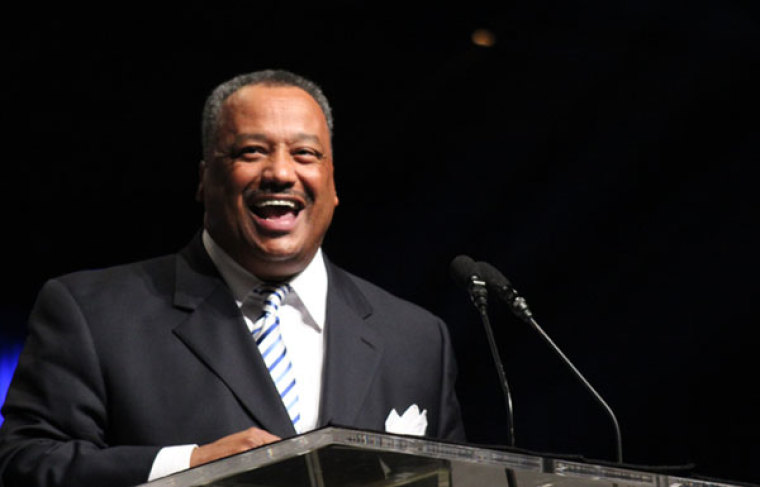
x,y
412,422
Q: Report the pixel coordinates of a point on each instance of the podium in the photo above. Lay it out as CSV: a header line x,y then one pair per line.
x,y
339,457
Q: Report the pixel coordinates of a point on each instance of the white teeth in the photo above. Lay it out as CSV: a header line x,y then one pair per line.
x,y
289,204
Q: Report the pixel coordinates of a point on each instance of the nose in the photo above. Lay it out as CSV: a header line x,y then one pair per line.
x,y
279,171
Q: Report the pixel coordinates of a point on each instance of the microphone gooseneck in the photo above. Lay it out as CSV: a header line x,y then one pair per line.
x,y
501,286
464,272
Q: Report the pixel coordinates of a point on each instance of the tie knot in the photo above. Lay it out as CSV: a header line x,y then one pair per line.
x,y
272,292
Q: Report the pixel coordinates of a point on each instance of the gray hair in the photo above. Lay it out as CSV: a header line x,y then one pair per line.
x,y
269,77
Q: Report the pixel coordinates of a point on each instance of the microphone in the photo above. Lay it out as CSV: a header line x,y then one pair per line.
x,y
504,290
501,286
465,272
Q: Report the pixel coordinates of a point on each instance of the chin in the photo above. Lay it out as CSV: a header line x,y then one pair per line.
x,y
275,249
278,266
285,255
278,257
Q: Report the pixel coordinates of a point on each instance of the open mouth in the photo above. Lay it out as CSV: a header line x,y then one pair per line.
x,y
276,208
276,215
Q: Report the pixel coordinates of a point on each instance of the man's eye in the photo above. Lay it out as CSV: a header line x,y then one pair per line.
x,y
310,153
249,151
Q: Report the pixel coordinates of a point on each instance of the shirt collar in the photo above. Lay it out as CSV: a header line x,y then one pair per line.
x,y
309,286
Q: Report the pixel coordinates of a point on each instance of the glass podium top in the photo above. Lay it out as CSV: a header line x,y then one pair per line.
x,y
339,457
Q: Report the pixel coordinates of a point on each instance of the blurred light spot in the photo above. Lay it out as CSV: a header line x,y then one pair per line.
x,y
483,38
8,359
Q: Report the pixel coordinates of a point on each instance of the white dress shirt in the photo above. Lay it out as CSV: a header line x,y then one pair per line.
x,y
302,322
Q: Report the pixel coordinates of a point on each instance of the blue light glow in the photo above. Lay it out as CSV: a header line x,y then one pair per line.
x,y
8,358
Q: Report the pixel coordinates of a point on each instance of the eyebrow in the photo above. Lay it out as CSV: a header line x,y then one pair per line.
x,y
256,137
299,137
303,137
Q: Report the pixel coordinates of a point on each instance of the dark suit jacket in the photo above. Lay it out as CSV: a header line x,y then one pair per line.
x,y
123,361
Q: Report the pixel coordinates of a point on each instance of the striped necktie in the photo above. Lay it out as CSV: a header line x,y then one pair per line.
x,y
266,332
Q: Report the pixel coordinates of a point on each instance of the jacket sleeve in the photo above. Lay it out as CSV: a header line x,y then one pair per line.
x,y
56,429
450,426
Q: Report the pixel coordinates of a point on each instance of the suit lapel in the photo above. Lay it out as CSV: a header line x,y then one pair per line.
x,y
353,351
217,335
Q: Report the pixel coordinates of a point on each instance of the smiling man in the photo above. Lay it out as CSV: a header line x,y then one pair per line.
x,y
248,335
268,184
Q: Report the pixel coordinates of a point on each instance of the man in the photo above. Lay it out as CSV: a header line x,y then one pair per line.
x,y
138,371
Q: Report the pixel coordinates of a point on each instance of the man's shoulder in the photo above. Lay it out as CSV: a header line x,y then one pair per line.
x,y
121,278
382,301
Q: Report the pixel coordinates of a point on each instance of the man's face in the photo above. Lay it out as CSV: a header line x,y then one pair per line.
x,y
268,189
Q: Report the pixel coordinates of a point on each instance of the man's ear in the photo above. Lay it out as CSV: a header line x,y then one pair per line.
x,y
201,172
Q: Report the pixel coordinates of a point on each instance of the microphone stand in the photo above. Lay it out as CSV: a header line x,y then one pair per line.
x,y
479,297
465,273
520,308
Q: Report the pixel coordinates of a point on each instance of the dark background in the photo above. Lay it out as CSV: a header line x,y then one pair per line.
x,y
601,154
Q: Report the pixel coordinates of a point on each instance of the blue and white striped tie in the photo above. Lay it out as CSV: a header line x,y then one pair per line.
x,y
266,332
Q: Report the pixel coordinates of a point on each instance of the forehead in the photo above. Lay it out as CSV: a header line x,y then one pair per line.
x,y
273,105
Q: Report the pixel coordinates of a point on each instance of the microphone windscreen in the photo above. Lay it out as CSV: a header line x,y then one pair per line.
x,y
462,269
492,275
